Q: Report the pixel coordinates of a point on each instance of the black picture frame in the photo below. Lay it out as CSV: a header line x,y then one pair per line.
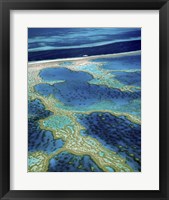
x,y
5,7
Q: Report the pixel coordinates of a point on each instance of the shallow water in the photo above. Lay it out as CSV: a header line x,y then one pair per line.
x,y
91,110
52,74
76,91
124,62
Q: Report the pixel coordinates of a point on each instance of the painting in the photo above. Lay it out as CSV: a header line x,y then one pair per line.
x,y
84,99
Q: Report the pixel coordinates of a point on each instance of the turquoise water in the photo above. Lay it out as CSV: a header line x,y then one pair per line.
x,y
38,139
77,91
97,89
125,62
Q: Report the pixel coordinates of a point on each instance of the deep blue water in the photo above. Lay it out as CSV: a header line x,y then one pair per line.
x,y
53,43
116,133
76,91
63,37
67,162
120,63
36,110
38,139
118,47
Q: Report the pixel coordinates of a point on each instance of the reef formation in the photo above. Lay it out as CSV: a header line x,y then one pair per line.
x,y
84,115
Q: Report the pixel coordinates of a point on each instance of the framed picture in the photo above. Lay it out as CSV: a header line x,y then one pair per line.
x,y
84,99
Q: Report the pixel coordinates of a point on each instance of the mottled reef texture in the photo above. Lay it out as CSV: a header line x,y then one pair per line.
x,y
67,162
84,115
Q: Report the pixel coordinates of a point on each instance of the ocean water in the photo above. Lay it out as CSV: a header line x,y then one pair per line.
x,y
38,139
76,91
67,162
90,101
129,78
48,43
52,74
125,62
115,133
